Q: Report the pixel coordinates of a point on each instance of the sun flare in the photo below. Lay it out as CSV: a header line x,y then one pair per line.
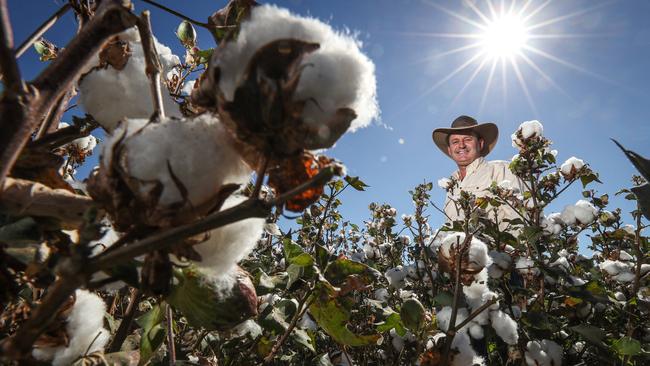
x,y
503,41
504,37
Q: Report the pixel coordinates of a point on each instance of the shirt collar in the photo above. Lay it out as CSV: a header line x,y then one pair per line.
x,y
471,168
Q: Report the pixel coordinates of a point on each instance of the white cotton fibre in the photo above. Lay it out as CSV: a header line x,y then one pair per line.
x,y
543,353
571,164
338,64
196,150
229,244
504,326
84,328
110,95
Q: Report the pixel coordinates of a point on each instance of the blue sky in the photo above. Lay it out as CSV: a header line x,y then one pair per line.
x,y
595,84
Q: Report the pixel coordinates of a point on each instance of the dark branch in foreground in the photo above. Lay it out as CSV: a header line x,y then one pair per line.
x,y
78,270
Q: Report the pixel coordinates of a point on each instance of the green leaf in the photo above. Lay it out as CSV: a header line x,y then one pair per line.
x,y
295,272
588,178
205,303
443,298
393,321
291,249
340,269
590,333
153,332
322,256
412,314
303,260
627,346
333,317
355,183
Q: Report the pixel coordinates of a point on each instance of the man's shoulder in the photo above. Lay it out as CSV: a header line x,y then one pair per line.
x,y
498,163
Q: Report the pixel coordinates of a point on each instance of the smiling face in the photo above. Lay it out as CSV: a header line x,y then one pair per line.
x,y
464,148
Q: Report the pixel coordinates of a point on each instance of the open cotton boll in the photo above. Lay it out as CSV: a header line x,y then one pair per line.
x,y
396,277
338,63
552,224
444,183
619,271
85,144
229,244
504,326
543,353
477,255
585,212
526,266
110,95
196,151
526,130
501,262
570,166
84,327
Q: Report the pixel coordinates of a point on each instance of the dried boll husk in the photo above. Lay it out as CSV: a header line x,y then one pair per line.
x,y
166,173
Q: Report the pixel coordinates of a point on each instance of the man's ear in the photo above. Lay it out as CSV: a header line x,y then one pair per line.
x,y
448,150
481,142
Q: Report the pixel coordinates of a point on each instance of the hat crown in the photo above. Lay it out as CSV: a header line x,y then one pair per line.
x,y
464,121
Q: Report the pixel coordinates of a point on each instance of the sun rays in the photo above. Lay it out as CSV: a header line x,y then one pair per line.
x,y
498,45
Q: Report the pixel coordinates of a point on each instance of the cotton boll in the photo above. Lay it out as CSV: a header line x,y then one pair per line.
x,y
568,215
338,63
625,256
396,276
248,328
504,326
477,255
444,183
571,166
562,264
618,271
543,353
84,327
476,331
552,224
527,130
381,294
500,262
229,244
170,156
109,94
443,317
526,267
585,212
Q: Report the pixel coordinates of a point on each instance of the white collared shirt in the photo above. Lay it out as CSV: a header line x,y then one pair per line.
x,y
479,175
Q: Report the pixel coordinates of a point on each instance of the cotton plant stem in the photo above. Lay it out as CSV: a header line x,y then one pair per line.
x,y
153,66
19,117
170,335
475,313
77,270
53,118
303,305
451,331
65,135
125,326
42,29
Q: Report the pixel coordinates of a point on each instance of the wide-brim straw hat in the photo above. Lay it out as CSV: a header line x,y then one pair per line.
x,y
488,131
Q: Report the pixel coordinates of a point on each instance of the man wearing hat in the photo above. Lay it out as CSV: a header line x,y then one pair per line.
x,y
467,143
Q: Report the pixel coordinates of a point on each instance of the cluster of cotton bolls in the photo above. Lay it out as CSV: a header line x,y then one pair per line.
x,y
543,353
552,224
623,269
84,327
110,94
338,63
477,255
527,130
582,213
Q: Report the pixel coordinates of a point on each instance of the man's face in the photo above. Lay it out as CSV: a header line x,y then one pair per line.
x,y
464,148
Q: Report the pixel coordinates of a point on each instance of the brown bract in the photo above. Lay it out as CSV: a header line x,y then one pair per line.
x,y
226,20
115,53
448,264
294,171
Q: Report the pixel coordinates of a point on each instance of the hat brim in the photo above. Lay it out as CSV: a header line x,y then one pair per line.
x,y
488,131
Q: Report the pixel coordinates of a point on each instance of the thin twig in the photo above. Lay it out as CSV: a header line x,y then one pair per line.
x,y
53,118
153,66
19,118
125,326
180,15
8,65
170,335
261,171
303,305
475,313
41,30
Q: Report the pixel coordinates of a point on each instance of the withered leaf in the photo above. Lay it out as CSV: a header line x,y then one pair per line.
x,y
226,21
115,53
294,171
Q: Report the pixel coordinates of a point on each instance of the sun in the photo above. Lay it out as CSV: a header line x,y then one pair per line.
x,y
499,40
504,37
